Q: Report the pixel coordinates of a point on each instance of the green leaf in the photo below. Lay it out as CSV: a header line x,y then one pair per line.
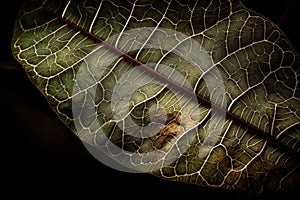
x,y
201,92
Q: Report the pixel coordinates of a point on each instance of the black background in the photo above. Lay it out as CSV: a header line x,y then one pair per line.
x,y
40,157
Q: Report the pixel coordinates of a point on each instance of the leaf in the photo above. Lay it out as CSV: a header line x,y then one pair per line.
x,y
199,92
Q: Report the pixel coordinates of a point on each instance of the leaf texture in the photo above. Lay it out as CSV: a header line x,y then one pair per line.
x,y
204,92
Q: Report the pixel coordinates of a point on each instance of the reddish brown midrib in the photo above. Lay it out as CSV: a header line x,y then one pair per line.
x,y
237,120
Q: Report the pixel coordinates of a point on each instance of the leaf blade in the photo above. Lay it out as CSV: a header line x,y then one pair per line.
x,y
223,55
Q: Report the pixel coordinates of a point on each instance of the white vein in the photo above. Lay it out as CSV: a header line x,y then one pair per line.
x,y
95,17
158,24
126,24
66,8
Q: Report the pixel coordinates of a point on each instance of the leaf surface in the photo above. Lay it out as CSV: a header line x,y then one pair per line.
x,y
201,92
